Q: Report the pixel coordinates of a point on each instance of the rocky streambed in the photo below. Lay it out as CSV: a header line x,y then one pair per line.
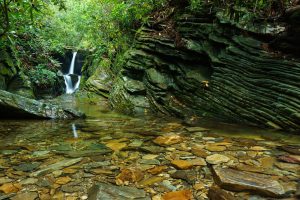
x,y
110,156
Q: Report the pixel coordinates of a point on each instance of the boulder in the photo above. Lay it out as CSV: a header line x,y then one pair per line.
x,y
235,180
16,106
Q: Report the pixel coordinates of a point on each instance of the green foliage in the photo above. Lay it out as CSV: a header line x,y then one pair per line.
x,y
42,77
244,8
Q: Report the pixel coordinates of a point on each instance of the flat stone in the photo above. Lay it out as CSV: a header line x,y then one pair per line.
x,y
71,188
189,176
295,159
196,129
182,164
26,196
235,180
27,167
5,180
150,181
29,181
152,149
168,140
149,162
293,149
104,191
178,195
288,166
200,152
211,147
216,193
63,180
217,159
56,166
10,187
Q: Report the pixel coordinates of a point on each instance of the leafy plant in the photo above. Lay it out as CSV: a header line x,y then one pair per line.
x,y
42,77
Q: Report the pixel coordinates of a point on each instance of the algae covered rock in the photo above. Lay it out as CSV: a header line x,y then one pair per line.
x,y
16,106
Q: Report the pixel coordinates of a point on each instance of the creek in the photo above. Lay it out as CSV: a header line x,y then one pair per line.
x,y
151,156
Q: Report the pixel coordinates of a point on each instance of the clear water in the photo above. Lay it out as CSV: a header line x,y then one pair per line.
x,y
48,142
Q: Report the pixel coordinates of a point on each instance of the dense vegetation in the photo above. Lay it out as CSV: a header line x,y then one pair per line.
x,y
32,31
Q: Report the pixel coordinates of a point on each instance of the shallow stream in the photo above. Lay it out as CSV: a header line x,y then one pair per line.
x,y
63,159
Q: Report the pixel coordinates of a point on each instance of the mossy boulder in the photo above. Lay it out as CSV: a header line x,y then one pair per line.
x,y
17,106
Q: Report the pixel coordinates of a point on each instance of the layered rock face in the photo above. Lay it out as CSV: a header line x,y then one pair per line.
x,y
212,69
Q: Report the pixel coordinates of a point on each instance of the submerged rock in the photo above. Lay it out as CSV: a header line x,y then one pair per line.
x,y
103,191
56,166
16,106
235,180
216,193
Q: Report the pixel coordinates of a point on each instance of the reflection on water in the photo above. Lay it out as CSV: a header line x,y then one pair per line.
x,y
110,142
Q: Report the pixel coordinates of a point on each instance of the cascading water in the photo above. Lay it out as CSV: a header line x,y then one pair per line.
x,y
70,87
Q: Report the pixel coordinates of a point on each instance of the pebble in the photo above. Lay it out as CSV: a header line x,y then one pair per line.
x,y
217,159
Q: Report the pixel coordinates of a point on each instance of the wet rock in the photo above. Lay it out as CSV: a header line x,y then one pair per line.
x,y
298,189
168,185
27,167
196,129
178,195
212,147
156,170
16,106
25,196
288,166
182,164
149,162
150,181
116,145
199,186
56,166
29,181
216,193
86,153
258,148
217,159
290,159
6,196
71,188
235,180
5,180
153,149
189,176
129,175
293,149
103,191
198,151
63,180
97,164
10,187
168,140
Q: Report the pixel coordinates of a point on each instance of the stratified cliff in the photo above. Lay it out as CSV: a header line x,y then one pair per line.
x,y
211,68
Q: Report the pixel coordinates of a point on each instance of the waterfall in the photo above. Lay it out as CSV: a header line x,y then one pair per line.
x,y
70,87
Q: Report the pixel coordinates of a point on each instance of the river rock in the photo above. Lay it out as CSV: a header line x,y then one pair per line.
x,y
235,180
168,140
25,196
217,159
103,191
56,166
216,193
16,106
178,195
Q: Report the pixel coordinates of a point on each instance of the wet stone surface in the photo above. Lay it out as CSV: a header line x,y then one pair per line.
x,y
145,158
